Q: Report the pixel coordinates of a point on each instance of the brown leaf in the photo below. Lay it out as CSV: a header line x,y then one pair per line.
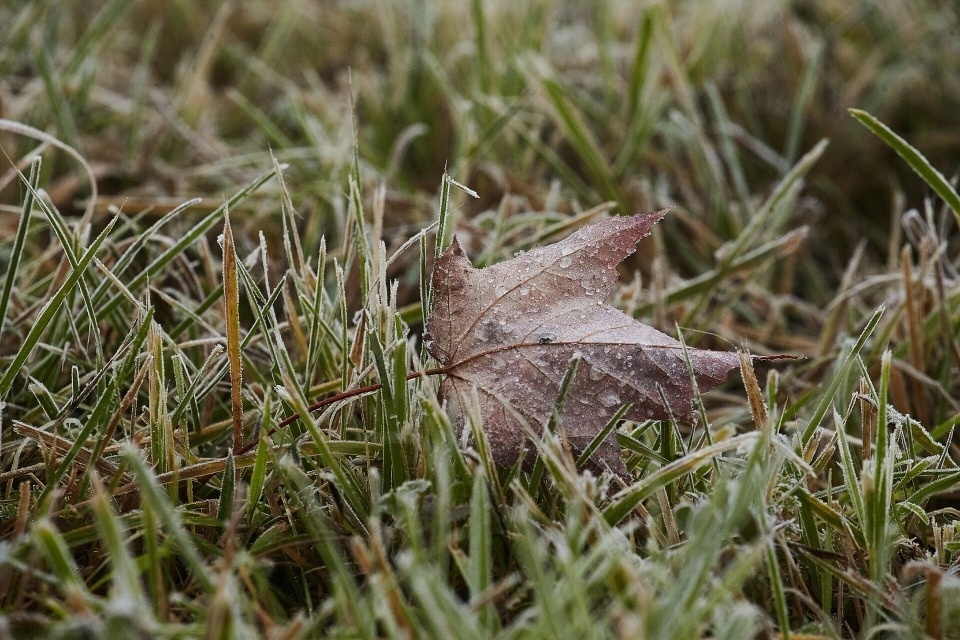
x,y
509,331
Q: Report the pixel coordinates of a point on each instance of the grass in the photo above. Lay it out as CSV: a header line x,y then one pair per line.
x,y
149,349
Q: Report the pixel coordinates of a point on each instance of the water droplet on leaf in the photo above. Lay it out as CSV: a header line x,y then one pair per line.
x,y
609,399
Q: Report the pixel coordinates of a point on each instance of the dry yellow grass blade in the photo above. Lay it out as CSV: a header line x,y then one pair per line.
x,y
231,304
754,395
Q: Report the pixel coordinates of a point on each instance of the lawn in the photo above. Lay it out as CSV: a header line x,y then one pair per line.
x,y
220,416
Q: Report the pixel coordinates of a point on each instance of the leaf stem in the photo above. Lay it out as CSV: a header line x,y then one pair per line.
x,y
437,371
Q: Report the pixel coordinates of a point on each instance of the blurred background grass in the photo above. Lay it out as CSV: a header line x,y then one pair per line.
x,y
696,104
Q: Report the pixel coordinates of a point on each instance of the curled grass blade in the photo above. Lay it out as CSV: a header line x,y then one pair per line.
x,y
913,158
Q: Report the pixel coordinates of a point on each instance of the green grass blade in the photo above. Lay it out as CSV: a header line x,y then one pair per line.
x,y
96,33
850,479
581,138
480,564
125,575
50,309
71,244
159,503
160,263
913,158
877,481
16,253
227,489
57,553
258,476
839,377
626,500
601,436
56,98
96,419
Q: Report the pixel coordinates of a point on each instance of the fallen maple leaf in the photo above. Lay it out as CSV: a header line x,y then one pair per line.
x,y
510,330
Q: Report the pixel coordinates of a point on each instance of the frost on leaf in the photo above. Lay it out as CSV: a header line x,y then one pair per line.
x,y
508,331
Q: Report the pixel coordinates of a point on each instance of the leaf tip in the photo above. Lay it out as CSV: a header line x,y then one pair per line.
x,y
643,222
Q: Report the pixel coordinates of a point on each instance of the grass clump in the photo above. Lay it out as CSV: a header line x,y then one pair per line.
x,y
149,352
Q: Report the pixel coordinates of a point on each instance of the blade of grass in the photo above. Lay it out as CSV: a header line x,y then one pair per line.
x,y
480,563
159,503
96,419
31,132
23,226
161,262
601,436
840,376
877,481
50,309
227,488
626,500
706,283
799,106
259,474
913,158
95,33
568,376
124,575
57,553
231,312
572,122
57,100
